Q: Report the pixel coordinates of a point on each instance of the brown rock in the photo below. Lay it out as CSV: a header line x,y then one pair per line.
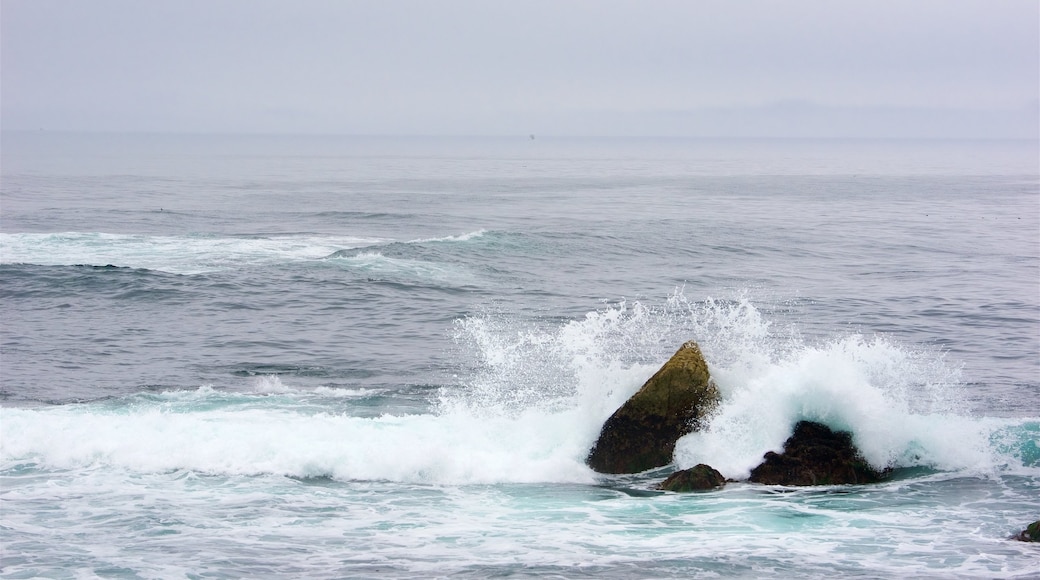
x,y
641,434
698,478
816,455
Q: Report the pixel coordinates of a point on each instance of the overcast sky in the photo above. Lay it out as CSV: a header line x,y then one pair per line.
x,y
906,68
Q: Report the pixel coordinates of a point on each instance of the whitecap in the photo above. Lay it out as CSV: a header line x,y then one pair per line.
x,y
191,254
459,238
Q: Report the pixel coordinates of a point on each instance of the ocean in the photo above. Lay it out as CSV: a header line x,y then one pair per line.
x,y
352,357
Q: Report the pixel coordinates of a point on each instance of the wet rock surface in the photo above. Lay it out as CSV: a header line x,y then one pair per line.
x,y
1031,533
641,434
698,478
816,455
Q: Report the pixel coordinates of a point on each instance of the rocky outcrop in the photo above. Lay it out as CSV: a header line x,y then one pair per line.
x,y
816,455
699,478
1031,533
641,434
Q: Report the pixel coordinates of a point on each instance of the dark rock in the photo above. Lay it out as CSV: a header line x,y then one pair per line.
x,y
815,455
641,434
698,478
1031,533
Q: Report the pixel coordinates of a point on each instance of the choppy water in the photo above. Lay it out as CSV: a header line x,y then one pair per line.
x,y
354,357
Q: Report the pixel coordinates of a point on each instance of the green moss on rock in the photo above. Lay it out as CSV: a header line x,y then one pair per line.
x,y
641,434
1031,533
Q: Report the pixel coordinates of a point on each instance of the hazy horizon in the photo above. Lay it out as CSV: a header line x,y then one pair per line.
x,y
503,136
811,69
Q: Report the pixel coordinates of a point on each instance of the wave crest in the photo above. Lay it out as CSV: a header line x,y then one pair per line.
x,y
531,398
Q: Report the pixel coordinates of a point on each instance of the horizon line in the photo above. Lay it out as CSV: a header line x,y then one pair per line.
x,y
523,136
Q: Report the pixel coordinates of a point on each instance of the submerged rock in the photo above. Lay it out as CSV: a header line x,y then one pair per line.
x,y
642,433
698,478
1031,533
816,455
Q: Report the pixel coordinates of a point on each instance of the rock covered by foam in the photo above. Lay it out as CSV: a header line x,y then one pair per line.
x,y
641,434
816,455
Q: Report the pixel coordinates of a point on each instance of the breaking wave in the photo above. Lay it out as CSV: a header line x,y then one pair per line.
x,y
529,402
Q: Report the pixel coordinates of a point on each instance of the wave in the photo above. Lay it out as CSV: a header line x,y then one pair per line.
x,y
905,407
466,243
531,400
200,254
377,266
902,410
192,254
419,261
276,432
459,238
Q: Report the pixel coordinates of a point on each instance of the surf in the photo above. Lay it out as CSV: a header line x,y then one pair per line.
x,y
530,400
181,254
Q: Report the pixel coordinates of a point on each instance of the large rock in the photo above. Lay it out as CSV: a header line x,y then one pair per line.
x,y
698,478
816,455
641,435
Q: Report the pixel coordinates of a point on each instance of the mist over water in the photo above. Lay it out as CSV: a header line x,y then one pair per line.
x,y
382,358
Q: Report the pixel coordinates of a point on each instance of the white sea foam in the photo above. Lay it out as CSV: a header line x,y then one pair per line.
x,y
272,384
452,448
896,405
406,270
902,406
459,238
535,404
193,254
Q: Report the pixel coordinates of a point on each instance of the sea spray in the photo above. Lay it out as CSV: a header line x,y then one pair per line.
x,y
529,400
904,406
851,384
595,363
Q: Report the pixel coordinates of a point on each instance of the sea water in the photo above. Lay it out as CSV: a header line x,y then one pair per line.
x,y
278,356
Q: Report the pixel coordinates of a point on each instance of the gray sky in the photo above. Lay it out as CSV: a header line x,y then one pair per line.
x,y
879,68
